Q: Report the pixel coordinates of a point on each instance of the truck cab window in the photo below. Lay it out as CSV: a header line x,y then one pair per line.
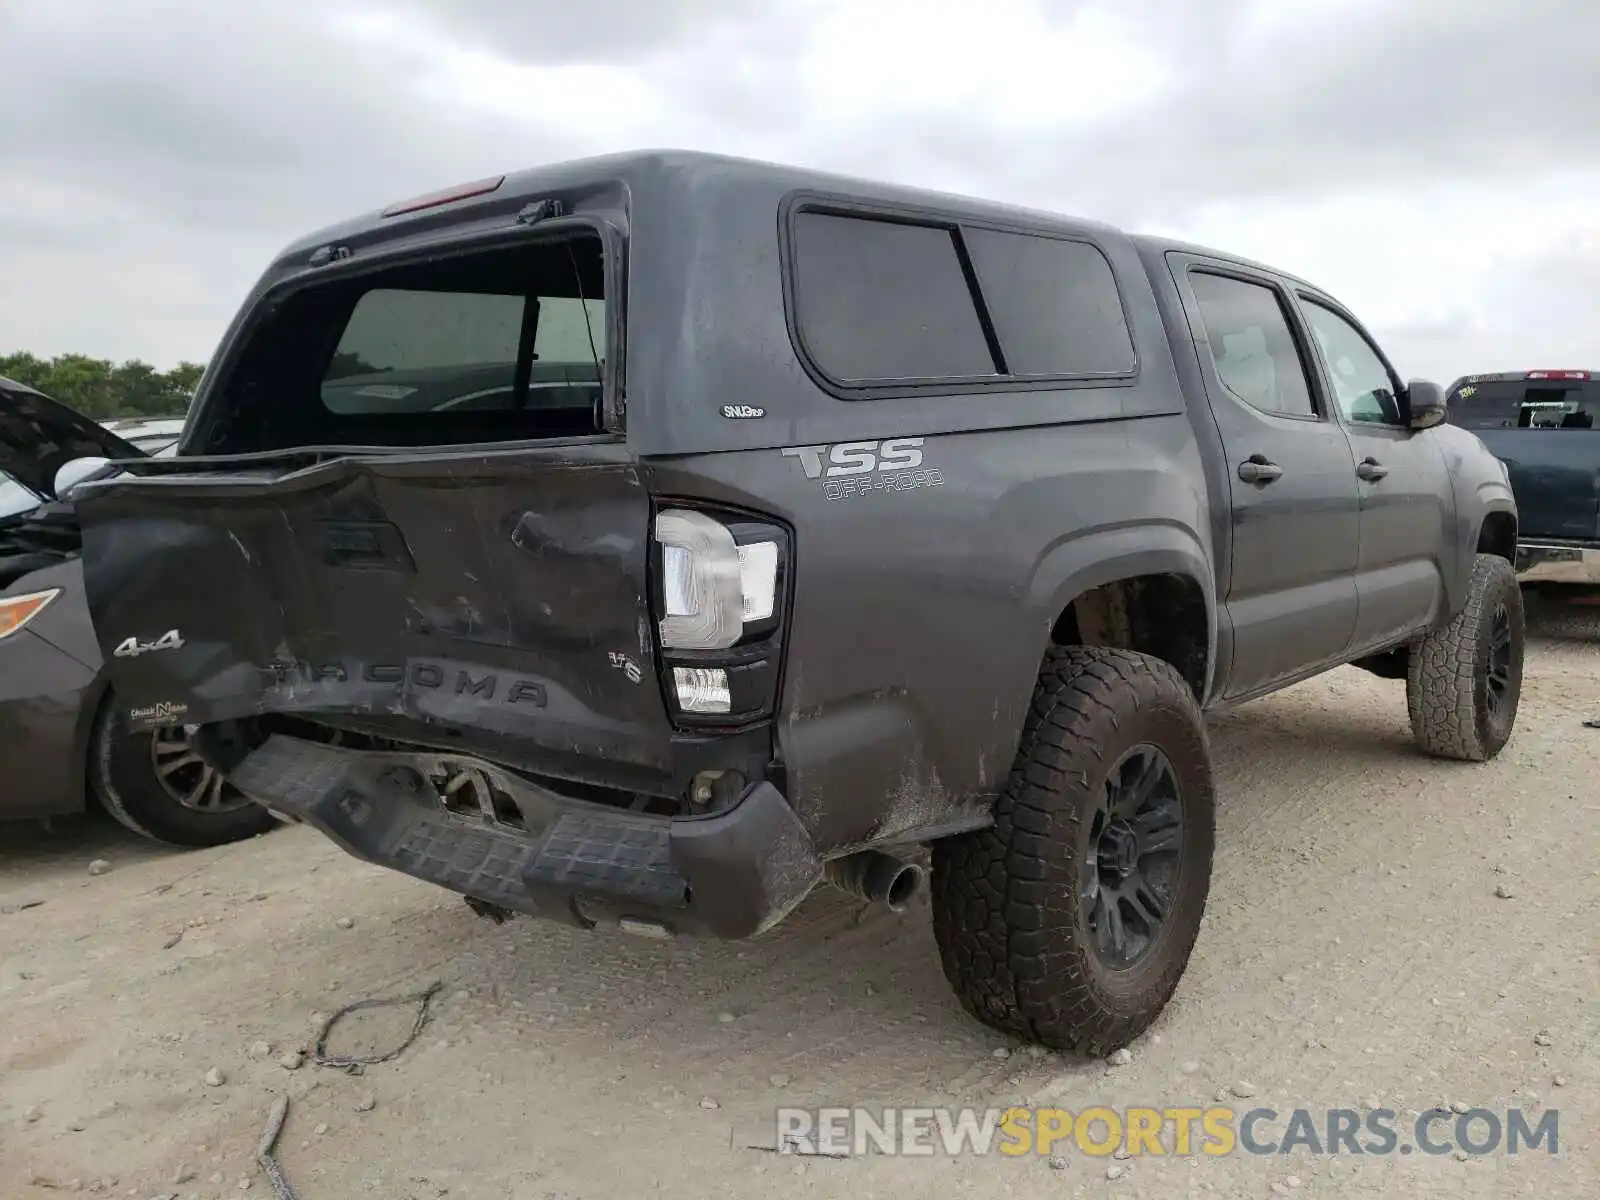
x,y
1362,385
1254,353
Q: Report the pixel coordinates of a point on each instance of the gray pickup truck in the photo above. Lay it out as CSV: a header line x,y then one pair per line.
x,y
1541,424
649,539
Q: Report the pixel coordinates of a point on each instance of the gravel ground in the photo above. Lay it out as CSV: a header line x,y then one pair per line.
x,y
1355,951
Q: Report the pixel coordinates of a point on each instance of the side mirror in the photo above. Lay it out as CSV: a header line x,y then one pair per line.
x,y
1424,404
71,474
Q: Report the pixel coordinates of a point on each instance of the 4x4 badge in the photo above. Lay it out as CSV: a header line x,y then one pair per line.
x,y
133,647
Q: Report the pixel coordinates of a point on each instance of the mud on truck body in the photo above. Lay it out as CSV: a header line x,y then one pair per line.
x,y
648,539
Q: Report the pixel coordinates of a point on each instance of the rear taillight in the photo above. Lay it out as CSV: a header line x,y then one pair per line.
x,y
17,611
719,610
714,585
1578,375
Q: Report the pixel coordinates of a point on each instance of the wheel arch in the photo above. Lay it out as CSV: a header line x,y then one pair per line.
x,y
1108,587
1497,534
92,711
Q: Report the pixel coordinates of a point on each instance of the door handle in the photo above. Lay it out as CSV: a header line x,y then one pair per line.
x,y
1256,469
1371,469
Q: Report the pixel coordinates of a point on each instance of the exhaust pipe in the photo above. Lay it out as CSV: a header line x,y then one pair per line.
x,y
877,878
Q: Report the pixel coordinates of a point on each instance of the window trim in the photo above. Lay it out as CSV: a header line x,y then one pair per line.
x,y
798,203
1292,318
1304,296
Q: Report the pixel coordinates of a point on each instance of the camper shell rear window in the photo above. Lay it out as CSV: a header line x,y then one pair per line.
x,y
502,344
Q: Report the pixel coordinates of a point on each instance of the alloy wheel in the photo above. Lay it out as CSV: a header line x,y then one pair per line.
x,y
188,778
1128,875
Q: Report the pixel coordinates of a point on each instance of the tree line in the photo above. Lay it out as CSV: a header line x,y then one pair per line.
x,y
103,389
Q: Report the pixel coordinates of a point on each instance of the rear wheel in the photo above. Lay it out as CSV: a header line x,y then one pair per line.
x,y
1071,919
157,785
1464,681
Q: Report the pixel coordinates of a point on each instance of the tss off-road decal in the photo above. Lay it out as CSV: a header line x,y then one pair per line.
x,y
865,468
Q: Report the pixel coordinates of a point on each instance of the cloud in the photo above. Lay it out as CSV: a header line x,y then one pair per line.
x,y
619,32
1426,160
245,116
1292,99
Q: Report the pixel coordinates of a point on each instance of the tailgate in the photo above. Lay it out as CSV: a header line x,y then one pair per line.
x,y
488,593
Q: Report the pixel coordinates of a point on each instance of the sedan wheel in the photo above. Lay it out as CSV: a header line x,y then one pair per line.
x,y
188,778
156,783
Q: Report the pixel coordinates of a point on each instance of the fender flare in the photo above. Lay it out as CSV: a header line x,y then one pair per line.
x,y
1487,500
1094,558
1499,501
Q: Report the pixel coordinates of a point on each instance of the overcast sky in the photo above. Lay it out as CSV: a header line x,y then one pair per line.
x,y
1434,163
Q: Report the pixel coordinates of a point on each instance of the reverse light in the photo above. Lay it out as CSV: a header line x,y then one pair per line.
x,y
711,586
17,611
702,690
758,579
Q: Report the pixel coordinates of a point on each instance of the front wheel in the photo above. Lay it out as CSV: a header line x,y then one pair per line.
x,y
156,784
1464,681
1071,919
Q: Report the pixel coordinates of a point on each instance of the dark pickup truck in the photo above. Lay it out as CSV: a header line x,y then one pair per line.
x,y
1541,424
649,539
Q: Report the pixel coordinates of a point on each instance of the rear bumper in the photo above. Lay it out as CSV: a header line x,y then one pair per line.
x,y
732,874
1558,562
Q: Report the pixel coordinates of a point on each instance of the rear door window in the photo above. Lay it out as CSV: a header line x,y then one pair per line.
x,y
1256,356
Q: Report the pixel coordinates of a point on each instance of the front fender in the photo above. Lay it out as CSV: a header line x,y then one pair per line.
x,y
1481,487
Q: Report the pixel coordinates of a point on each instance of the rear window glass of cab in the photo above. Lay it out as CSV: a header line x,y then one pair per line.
x,y
1539,400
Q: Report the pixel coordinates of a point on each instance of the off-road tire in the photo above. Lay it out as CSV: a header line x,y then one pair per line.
x,y
1447,678
1005,899
122,776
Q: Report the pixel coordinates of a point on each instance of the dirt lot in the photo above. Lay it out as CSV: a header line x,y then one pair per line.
x,y
1355,951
